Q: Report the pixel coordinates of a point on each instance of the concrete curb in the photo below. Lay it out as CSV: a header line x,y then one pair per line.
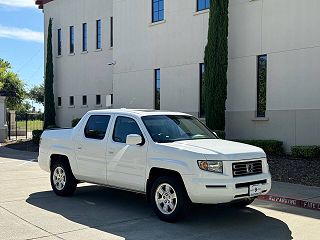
x,y
291,202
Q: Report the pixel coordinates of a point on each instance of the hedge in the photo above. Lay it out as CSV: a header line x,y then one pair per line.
x,y
75,121
271,147
306,151
36,135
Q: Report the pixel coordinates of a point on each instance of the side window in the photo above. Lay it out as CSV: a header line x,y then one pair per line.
x,y
125,126
96,127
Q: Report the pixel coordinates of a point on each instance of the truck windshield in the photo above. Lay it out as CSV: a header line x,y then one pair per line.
x,y
172,128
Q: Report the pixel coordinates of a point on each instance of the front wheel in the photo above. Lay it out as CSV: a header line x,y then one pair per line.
x,y
62,180
169,199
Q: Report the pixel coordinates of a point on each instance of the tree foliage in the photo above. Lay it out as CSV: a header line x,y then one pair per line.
x,y
49,107
37,94
11,86
216,65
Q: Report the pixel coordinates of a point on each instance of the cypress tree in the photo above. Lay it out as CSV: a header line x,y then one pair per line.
x,y
216,65
49,107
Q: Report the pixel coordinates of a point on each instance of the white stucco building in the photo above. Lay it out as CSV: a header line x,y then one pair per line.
x,y
126,50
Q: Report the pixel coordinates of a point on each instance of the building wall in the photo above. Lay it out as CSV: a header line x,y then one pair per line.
x,y
81,73
285,30
176,46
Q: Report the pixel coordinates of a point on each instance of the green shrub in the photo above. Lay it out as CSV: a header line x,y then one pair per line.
x,y
306,151
221,134
36,135
271,147
75,121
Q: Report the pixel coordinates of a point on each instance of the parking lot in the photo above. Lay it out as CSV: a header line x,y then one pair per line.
x,y
30,210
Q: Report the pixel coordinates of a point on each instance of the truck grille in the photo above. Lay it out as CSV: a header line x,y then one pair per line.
x,y
247,168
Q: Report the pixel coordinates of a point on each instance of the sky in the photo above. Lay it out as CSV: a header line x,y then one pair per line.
x,y
21,39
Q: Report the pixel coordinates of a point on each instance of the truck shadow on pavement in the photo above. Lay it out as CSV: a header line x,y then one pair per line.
x,y
128,215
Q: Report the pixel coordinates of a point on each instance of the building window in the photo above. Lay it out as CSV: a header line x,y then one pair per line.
x,y
111,32
202,89
203,4
71,39
98,99
157,10
157,88
59,102
262,85
84,101
71,101
84,37
59,42
98,34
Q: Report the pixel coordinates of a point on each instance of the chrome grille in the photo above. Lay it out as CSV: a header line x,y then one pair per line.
x,y
247,168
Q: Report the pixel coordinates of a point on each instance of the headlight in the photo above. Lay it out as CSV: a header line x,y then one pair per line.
x,y
211,166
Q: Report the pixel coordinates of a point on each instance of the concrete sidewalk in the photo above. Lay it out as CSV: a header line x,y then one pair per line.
x,y
295,195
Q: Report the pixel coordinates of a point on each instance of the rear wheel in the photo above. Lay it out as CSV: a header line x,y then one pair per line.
x,y
169,199
62,180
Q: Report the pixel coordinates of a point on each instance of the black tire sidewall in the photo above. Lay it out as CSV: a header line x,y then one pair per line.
x,y
182,199
70,185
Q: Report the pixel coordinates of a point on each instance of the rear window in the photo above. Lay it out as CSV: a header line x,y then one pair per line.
x,y
96,127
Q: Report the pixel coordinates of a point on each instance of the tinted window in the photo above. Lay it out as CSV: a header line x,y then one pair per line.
x,y
125,126
96,127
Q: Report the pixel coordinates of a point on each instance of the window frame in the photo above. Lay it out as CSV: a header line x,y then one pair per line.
x,y
71,40
84,37
129,117
261,114
98,34
111,32
105,135
202,106
59,42
71,97
207,5
59,100
84,100
156,107
153,11
98,96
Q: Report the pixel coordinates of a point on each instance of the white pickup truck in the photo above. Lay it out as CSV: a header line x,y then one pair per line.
x,y
171,157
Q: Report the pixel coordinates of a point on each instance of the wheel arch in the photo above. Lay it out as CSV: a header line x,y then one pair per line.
x,y
157,172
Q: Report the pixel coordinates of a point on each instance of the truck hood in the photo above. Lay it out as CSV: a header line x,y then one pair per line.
x,y
217,149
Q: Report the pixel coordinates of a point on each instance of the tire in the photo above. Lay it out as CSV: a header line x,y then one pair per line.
x,y
169,191
63,182
244,203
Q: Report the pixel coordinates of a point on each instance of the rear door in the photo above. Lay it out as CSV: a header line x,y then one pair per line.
x,y
91,148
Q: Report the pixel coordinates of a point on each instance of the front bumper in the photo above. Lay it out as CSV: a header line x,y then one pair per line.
x,y
213,191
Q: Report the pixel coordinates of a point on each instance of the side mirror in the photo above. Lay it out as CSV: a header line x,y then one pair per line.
x,y
134,139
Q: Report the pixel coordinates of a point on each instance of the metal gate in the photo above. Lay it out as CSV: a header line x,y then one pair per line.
x,y
20,126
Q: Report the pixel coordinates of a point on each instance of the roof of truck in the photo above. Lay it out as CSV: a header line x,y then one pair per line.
x,y
137,112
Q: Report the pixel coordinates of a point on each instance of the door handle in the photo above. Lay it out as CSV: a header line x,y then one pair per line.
x,y
79,148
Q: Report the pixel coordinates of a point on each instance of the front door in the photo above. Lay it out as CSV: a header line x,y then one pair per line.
x,y
91,149
126,164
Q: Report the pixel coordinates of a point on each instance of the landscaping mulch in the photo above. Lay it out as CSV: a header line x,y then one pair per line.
x,y
23,145
295,170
